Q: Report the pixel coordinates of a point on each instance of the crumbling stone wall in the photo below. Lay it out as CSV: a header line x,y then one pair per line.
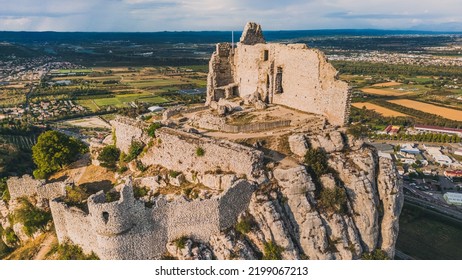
x,y
126,229
28,186
126,130
292,75
177,150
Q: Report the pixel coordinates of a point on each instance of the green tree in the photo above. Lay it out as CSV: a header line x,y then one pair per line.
x,y
109,156
53,151
316,160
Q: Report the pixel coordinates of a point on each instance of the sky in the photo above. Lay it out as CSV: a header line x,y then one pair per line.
x,y
194,15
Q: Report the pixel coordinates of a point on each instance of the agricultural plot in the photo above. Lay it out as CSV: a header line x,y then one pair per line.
x,y
90,122
387,84
447,113
22,142
385,92
123,99
379,109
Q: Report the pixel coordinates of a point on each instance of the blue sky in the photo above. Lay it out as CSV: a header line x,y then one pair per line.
x,y
160,15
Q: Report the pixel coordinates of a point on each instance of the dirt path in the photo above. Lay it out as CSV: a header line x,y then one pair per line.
x,y
45,247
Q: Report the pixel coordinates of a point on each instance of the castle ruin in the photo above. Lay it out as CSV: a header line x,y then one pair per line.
x,y
293,75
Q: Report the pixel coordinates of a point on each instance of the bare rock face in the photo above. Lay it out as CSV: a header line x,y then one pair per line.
x,y
357,171
252,34
331,142
298,145
272,225
391,195
228,246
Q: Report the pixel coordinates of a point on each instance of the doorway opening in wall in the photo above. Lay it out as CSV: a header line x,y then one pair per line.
x,y
265,55
279,88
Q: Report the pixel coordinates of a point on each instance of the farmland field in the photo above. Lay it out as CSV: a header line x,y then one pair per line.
x,y
121,100
23,142
447,113
379,109
385,92
90,122
387,84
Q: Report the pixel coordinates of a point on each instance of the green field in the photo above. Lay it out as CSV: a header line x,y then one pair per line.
x,y
425,236
155,83
122,100
23,142
68,71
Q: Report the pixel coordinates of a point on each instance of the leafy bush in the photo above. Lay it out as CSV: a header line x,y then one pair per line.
x,y
31,217
200,152
139,192
377,254
112,196
180,243
109,156
152,129
316,160
173,173
53,151
333,200
134,151
76,195
10,236
4,192
141,167
272,251
245,225
122,169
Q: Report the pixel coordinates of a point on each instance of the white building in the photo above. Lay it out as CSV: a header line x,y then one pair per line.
x,y
453,198
409,148
438,156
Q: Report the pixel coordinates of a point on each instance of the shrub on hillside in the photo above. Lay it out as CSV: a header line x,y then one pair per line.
x,y
109,156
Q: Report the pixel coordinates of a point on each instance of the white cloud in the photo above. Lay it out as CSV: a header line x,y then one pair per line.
x,y
157,15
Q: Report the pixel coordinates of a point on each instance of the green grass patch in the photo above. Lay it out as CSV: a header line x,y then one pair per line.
x,y
31,217
68,251
272,251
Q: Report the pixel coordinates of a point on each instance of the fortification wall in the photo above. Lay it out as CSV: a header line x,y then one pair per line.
x,y
221,73
308,81
177,150
28,186
127,130
23,186
132,231
198,219
292,75
233,202
72,224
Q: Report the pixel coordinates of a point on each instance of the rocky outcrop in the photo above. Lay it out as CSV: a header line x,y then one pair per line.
x,y
227,246
392,199
272,225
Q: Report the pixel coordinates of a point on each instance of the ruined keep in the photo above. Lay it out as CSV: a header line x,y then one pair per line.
x,y
292,75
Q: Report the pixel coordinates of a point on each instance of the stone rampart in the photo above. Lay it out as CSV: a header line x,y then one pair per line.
x,y
126,229
181,151
27,186
127,130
